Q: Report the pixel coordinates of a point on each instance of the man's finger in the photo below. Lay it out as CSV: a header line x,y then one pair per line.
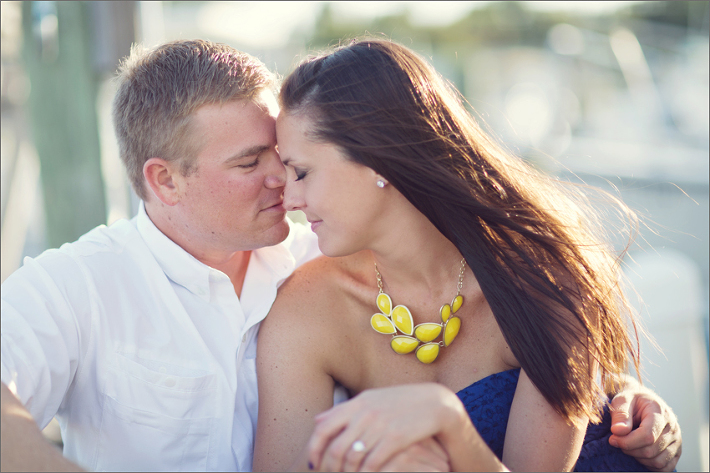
x,y
664,461
645,442
426,455
622,422
663,455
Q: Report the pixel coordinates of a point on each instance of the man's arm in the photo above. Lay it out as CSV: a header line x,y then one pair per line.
x,y
645,427
24,448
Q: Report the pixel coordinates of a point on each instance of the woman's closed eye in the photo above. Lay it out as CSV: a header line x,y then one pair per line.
x,y
300,173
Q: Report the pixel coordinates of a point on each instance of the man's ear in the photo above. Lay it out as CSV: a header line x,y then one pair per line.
x,y
159,175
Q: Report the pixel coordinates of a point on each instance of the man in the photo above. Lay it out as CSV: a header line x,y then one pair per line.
x,y
141,337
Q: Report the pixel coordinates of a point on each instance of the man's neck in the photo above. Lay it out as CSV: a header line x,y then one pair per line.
x,y
233,264
235,268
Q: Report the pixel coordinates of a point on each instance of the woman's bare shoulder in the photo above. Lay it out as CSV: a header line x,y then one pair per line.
x,y
315,312
325,278
323,284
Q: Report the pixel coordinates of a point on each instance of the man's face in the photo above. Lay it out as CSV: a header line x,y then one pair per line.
x,y
232,200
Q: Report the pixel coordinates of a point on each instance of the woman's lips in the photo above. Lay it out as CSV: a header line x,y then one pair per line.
x,y
315,225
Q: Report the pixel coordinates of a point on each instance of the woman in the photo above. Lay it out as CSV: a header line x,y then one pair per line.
x,y
485,279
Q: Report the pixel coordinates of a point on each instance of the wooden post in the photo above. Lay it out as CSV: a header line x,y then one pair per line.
x,y
57,53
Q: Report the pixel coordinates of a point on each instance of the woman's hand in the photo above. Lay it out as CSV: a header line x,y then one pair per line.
x,y
372,431
644,427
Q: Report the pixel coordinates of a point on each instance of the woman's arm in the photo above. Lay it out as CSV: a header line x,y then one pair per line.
x,y
293,383
300,343
388,421
538,438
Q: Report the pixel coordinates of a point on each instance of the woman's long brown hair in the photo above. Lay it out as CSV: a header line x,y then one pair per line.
x,y
550,280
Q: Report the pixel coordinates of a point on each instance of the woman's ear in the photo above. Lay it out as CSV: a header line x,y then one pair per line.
x,y
159,174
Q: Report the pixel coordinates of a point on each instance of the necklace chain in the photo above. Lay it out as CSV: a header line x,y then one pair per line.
x,y
459,286
379,280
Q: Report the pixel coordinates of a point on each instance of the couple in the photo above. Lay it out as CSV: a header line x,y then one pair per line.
x,y
141,337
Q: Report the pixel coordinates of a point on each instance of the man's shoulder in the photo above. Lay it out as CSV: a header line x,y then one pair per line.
x,y
105,239
64,283
97,250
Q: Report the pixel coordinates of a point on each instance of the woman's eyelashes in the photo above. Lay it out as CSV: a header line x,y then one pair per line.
x,y
300,173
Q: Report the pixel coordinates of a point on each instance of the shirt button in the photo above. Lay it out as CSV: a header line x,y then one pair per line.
x,y
170,382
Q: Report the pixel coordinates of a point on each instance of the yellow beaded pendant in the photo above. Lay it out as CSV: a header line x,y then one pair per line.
x,y
390,320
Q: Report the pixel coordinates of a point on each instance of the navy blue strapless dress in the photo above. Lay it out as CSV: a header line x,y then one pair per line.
x,y
488,403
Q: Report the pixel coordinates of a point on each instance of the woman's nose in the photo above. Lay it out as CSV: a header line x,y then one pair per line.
x,y
293,199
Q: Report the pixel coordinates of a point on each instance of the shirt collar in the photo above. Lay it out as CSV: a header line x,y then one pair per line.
x,y
186,270
179,265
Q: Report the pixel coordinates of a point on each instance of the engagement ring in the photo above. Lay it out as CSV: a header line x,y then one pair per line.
x,y
358,446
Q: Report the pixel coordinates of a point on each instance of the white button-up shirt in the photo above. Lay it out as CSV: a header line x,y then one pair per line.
x,y
145,355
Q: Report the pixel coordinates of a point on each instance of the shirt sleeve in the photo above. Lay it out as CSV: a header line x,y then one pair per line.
x,y
45,317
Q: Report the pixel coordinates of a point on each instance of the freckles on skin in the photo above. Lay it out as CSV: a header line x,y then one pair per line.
x,y
223,201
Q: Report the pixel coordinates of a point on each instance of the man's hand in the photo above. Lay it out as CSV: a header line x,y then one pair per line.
x,y
24,448
426,455
644,427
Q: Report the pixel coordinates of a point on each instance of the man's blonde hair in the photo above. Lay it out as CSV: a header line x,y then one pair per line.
x,y
159,89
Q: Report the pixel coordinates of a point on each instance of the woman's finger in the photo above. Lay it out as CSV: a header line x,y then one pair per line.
x,y
346,451
329,426
319,441
382,419
359,450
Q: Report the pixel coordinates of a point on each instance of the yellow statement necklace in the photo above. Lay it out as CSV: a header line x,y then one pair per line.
x,y
390,320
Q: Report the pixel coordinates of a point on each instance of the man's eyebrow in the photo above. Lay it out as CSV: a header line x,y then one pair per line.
x,y
253,151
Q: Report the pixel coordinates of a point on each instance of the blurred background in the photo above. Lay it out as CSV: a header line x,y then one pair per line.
x,y
611,94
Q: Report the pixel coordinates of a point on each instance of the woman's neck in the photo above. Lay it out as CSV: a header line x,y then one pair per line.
x,y
420,258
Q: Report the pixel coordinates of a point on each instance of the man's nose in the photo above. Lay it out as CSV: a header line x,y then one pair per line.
x,y
275,176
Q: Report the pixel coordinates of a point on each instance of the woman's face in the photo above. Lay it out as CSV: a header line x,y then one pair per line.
x,y
340,198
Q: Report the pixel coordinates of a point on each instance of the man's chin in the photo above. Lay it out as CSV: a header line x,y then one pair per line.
x,y
278,233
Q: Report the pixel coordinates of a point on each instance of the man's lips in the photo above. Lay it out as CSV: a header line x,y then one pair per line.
x,y
276,207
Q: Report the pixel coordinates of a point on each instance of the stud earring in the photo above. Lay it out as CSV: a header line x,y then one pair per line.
x,y
381,183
